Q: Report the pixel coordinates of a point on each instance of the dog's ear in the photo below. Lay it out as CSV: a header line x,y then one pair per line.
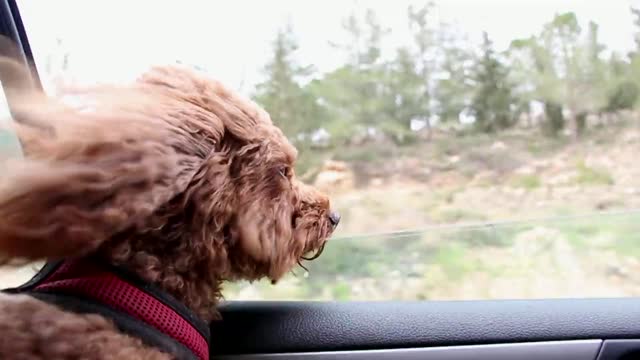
x,y
98,172
236,114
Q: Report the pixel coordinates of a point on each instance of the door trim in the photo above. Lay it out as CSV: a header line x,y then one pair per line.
x,y
552,350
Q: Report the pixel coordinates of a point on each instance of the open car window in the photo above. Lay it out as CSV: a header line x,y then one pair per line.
x,y
470,159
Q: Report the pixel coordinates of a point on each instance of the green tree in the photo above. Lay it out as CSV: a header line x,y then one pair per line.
x,y
291,106
404,99
339,93
420,74
636,22
560,38
363,44
562,67
357,94
633,69
493,99
593,76
623,96
452,90
555,119
580,68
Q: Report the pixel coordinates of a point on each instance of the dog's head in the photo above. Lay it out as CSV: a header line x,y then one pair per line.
x,y
175,176
245,189
276,220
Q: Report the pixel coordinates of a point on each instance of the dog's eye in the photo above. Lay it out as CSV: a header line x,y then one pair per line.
x,y
285,172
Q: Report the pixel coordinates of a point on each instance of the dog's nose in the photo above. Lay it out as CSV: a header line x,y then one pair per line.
x,y
334,217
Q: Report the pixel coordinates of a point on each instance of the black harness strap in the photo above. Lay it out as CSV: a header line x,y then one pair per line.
x,y
123,321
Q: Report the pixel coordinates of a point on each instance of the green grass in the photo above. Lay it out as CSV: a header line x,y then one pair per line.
x,y
592,176
448,256
484,236
580,234
454,255
454,261
529,181
341,291
619,233
628,245
541,145
626,237
347,257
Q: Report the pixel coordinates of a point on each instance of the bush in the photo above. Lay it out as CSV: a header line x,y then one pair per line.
x,y
623,96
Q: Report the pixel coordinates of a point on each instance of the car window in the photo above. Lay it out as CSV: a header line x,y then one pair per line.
x,y
11,148
475,149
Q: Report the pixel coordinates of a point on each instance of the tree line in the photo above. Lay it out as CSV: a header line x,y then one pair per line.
x,y
438,78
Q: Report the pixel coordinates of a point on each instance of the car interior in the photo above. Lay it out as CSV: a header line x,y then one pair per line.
x,y
568,329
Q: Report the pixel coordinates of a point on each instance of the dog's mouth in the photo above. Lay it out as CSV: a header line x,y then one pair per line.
x,y
322,231
315,254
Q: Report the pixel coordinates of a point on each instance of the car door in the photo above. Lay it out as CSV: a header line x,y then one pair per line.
x,y
418,327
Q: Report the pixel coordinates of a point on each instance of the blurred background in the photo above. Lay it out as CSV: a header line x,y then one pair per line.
x,y
476,149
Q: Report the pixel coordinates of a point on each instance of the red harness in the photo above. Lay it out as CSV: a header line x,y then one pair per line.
x,y
150,314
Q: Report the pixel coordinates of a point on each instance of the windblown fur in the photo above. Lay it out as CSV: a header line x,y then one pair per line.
x,y
174,177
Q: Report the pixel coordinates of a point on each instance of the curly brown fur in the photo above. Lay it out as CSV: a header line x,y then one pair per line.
x,y
175,177
32,329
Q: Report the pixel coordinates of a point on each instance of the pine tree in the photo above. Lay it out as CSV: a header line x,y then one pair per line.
x,y
563,67
452,91
404,99
355,94
634,59
491,104
561,39
636,22
424,43
291,106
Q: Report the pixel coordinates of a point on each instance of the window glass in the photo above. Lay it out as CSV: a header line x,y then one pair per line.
x,y
10,148
476,149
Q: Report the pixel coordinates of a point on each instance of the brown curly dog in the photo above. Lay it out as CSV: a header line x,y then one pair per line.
x,y
174,178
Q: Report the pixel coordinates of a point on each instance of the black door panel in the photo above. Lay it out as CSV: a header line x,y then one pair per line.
x,y
277,327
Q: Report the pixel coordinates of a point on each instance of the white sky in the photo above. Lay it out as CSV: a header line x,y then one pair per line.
x,y
113,40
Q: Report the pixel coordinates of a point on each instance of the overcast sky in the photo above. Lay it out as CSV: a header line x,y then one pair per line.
x,y
114,40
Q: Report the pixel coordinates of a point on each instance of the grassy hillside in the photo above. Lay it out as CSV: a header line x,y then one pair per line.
x,y
578,237
473,216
